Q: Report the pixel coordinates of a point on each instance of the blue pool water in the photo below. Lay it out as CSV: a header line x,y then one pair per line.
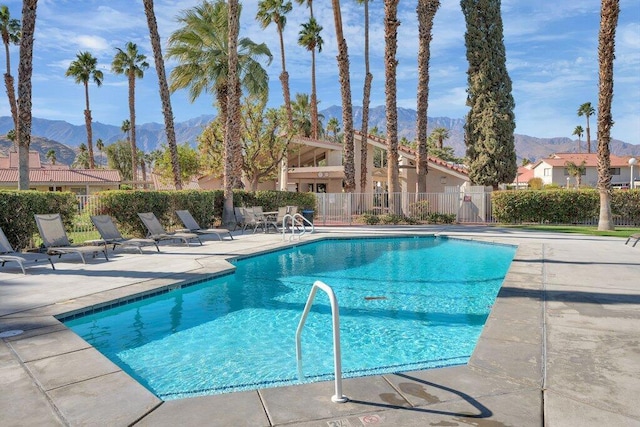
x,y
405,304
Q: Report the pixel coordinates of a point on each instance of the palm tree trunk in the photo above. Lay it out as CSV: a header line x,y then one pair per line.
x,y
132,121
87,122
314,99
426,11
232,126
11,95
284,80
391,46
588,135
164,91
347,109
609,12
25,70
365,103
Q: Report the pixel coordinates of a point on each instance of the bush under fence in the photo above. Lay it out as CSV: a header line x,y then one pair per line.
x,y
563,206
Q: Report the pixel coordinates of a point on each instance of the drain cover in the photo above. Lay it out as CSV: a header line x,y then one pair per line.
x,y
8,334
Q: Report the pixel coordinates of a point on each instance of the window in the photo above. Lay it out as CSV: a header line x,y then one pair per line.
x,y
547,172
614,171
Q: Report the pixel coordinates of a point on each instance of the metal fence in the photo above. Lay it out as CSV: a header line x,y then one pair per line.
x,y
464,206
351,208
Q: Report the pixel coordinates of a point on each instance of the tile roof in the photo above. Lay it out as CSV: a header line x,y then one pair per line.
x,y
160,183
590,159
63,176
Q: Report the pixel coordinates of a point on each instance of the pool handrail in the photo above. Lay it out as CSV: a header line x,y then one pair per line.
x,y
296,219
338,397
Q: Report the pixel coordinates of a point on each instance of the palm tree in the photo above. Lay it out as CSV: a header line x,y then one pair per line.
x,y
426,11
164,91
100,147
302,115
578,131
275,11
390,89
25,70
309,4
576,171
609,11
309,38
347,109
51,156
11,32
82,158
440,134
201,48
125,127
366,95
333,127
82,70
233,148
132,64
587,110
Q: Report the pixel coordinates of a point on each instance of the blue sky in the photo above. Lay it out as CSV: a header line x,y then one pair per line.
x,y
551,57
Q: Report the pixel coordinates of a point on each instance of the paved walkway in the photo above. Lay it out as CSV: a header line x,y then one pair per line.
x,y
560,348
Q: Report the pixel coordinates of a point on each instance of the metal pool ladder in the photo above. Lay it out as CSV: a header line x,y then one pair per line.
x,y
335,315
296,221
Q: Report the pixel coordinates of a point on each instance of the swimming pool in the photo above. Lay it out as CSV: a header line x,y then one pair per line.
x,y
405,304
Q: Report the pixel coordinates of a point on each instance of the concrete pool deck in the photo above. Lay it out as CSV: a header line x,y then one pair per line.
x,y
561,346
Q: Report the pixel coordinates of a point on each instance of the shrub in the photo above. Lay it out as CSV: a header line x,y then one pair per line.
x,y
535,183
370,219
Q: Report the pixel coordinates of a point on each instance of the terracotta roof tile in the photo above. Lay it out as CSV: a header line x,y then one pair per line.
x,y
63,176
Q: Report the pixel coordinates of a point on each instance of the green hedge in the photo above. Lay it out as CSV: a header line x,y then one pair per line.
x,y
17,209
561,206
205,206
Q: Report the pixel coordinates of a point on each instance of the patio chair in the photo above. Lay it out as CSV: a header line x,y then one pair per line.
x,y
251,219
635,238
7,254
263,220
157,232
110,235
193,227
239,214
55,240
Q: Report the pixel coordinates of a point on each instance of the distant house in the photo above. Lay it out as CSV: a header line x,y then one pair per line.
x,y
57,177
553,170
317,166
162,184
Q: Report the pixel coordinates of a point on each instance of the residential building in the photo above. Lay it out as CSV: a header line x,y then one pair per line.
x,y
553,170
46,177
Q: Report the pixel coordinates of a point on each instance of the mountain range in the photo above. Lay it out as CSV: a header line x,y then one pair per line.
x,y
65,137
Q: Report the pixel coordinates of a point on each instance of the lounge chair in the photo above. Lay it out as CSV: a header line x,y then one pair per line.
x,y
110,235
240,220
7,254
56,241
158,233
193,227
635,238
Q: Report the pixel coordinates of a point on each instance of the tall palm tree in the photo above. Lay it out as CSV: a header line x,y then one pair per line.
x,y
587,110
576,171
390,90
100,147
347,109
578,131
11,32
301,109
366,96
309,4
201,48
426,11
130,62
275,11
51,156
440,134
83,69
25,70
609,11
333,128
82,158
164,91
233,148
309,38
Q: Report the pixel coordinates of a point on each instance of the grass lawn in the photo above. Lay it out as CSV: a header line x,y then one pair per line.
x,y
580,229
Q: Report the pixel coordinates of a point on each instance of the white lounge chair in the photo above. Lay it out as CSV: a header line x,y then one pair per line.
x,y
192,226
7,254
56,241
635,238
157,232
110,235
